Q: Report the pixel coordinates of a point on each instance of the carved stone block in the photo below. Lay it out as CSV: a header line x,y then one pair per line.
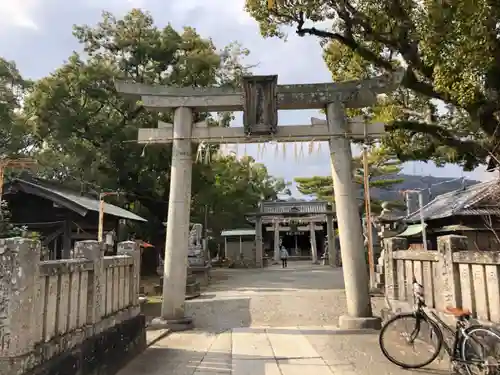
x,y
260,113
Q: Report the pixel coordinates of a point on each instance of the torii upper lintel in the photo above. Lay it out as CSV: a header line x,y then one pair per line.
x,y
353,94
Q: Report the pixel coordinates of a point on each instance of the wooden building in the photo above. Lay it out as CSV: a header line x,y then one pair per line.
x,y
301,226
60,215
239,244
472,211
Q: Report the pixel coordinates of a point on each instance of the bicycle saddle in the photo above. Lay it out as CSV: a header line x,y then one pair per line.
x,y
457,312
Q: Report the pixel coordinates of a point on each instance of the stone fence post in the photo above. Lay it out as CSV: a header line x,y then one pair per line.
x,y
133,249
93,251
449,277
391,245
19,278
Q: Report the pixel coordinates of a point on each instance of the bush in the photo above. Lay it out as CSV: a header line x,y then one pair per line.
x,y
7,229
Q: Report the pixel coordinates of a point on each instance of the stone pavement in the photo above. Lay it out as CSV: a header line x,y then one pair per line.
x,y
270,322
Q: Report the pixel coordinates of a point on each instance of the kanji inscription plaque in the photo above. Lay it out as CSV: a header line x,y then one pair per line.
x,y
260,112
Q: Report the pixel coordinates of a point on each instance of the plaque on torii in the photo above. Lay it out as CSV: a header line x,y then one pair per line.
x,y
260,105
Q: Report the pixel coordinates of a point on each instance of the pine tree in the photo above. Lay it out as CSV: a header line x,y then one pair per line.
x,y
382,168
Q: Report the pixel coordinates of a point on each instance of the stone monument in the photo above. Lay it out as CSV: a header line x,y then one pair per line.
x,y
195,247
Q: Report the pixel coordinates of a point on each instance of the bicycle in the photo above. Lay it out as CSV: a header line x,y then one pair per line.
x,y
470,340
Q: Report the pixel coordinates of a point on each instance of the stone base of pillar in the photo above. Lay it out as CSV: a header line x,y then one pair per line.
x,y
354,323
173,325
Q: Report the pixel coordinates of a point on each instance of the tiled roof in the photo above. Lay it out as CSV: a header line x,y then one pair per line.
x,y
84,202
465,202
294,206
238,232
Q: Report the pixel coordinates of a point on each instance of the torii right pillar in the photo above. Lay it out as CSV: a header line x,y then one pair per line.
x,y
359,309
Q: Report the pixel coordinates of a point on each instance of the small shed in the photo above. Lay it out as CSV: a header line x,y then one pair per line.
x,y
59,214
239,243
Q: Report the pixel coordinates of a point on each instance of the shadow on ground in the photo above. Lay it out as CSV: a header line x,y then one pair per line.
x,y
303,294
209,314
340,352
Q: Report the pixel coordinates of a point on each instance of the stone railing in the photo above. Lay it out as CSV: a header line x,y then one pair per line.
x,y
451,276
49,308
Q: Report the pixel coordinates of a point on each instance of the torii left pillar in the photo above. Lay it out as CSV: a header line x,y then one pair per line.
x,y
176,245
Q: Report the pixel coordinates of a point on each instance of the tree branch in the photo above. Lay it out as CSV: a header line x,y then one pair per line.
x,y
351,43
441,135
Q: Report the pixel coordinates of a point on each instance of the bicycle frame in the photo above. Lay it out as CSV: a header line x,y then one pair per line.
x,y
459,333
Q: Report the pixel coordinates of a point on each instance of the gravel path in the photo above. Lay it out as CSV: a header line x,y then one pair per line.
x,y
302,294
288,324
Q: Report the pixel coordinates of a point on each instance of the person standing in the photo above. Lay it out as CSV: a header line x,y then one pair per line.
x,y
284,256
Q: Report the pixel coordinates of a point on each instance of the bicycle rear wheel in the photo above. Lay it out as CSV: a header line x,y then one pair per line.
x,y
414,331
480,351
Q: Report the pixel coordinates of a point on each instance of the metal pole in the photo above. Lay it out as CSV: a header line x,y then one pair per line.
x,y
422,221
205,238
366,184
101,218
225,249
2,168
407,195
100,230
241,250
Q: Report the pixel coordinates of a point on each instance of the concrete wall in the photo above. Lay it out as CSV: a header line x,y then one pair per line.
x,y
452,276
56,315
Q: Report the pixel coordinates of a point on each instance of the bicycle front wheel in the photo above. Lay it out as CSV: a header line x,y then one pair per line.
x,y
410,341
480,350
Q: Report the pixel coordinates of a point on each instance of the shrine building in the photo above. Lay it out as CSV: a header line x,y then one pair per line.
x,y
301,226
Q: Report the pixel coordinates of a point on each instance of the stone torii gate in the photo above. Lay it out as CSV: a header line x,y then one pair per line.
x,y
260,98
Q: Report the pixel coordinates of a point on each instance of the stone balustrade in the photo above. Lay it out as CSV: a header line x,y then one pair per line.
x,y
49,309
451,276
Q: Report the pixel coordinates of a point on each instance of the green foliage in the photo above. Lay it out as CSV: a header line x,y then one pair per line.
x,y
84,132
231,189
14,131
381,164
450,51
7,229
